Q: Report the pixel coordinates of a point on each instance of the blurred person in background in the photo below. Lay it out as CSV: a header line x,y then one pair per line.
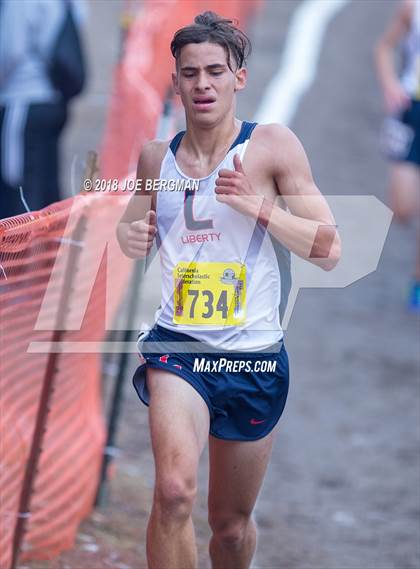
x,y
402,127
41,69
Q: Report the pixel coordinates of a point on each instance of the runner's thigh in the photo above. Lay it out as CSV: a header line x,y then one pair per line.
x,y
179,423
237,471
404,189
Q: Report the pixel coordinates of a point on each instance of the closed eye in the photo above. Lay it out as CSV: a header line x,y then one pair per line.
x,y
188,73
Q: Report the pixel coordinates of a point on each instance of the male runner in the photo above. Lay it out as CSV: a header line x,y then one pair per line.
x,y
221,288
402,132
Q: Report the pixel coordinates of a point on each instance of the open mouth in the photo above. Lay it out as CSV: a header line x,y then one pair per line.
x,y
203,102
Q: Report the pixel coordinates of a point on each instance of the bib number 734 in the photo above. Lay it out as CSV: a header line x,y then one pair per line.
x,y
211,294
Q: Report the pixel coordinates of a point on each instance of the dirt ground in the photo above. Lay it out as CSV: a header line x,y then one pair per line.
x,y
342,490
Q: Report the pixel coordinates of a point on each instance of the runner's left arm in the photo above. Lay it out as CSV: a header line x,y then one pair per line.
x,y
395,97
308,229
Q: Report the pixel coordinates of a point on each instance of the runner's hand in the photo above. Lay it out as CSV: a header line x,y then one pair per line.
x,y
234,189
141,234
396,99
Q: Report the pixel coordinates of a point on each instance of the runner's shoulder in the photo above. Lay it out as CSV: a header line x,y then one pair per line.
x,y
151,157
274,133
277,141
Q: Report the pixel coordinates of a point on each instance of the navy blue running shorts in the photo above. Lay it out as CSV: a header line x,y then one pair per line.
x,y
245,392
401,135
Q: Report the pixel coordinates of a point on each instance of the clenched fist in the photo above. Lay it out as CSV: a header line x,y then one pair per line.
x,y
233,188
140,235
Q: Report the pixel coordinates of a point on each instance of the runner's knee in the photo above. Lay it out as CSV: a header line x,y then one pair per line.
x,y
230,532
175,495
402,212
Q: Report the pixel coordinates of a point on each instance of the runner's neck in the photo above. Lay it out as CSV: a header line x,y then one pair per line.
x,y
206,146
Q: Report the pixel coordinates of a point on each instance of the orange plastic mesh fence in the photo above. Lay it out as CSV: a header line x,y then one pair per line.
x,y
34,258
35,254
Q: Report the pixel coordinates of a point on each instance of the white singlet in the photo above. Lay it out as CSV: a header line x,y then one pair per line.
x,y
214,247
410,77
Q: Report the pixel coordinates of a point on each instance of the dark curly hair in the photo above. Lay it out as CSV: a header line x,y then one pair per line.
x,y
209,27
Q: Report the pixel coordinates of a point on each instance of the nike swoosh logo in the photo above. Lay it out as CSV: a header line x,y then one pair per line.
x,y
257,422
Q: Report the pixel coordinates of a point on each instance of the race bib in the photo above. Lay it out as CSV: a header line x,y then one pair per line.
x,y
212,294
396,138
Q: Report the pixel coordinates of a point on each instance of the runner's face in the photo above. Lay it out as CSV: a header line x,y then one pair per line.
x,y
205,82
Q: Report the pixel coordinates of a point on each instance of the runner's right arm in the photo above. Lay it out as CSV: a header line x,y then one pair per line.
x,y
137,227
395,97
